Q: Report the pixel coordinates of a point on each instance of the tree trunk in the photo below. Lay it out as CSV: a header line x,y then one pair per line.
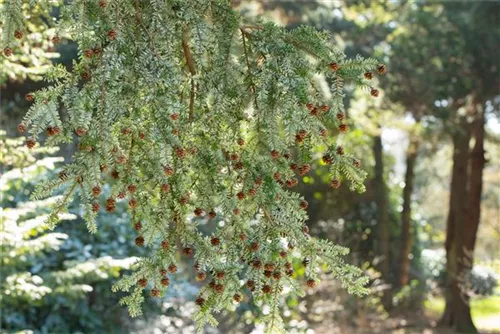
x,y
477,162
463,222
381,199
406,240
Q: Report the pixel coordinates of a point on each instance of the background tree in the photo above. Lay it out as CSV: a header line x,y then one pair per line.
x,y
464,217
41,289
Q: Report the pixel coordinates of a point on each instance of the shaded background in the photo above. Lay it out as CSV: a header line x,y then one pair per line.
x,y
438,110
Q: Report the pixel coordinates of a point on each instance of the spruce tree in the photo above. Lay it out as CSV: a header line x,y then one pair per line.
x,y
195,117
46,279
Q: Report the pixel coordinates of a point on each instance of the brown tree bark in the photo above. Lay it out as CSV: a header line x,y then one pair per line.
x,y
463,222
477,163
406,240
381,199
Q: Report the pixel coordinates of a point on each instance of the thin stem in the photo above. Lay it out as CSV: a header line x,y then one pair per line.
x,y
187,52
192,69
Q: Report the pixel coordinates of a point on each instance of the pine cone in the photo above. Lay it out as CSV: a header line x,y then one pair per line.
x,y
80,132
112,35
327,159
29,97
258,181
138,226
155,292
165,282
219,288
340,150
200,301
335,183
132,203
334,66
381,69
131,188
139,241
188,251
257,264
215,241
110,205
30,143
96,207
88,53
142,282
198,212
96,191
21,128
311,283
269,266
254,246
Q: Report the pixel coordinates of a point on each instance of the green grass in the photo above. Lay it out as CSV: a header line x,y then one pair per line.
x,y
485,311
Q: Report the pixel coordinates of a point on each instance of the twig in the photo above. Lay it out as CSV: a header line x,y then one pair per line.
x,y
268,216
191,101
252,84
137,14
187,52
192,69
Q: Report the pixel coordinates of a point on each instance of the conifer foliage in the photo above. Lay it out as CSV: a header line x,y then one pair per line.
x,y
195,117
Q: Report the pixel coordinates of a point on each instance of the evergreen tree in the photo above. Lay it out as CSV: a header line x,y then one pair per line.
x,y
39,288
196,117
29,44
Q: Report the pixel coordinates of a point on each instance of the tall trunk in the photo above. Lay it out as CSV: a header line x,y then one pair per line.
x,y
381,199
463,222
406,240
477,162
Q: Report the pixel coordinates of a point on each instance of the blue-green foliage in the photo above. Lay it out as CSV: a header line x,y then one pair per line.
x,y
56,281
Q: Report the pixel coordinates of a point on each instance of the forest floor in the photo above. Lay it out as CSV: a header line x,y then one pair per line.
x,y
485,314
